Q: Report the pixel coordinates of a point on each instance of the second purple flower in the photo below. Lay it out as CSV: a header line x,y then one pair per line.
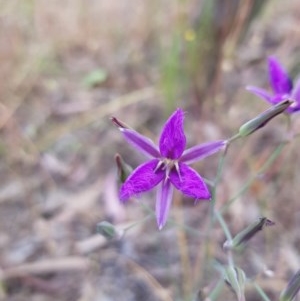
x,y
168,165
282,87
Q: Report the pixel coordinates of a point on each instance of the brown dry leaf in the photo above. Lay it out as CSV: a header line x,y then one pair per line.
x,y
47,266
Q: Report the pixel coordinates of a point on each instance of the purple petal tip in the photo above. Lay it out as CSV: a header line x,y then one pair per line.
x,y
172,139
279,78
262,93
201,151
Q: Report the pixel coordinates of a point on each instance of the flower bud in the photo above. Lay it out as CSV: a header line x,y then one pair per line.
x,y
236,279
123,169
262,119
107,230
239,241
293,287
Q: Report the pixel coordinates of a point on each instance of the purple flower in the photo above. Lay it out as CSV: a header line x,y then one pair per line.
x,y
282,86
168,165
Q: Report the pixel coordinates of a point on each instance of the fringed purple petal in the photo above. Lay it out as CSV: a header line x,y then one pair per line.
x,y
140,142
201,151
142,179
189,182
163,203
172,139
279,78
265,95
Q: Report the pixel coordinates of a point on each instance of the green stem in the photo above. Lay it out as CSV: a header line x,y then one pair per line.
x,y
150,215
228,235
223,224
212,209
217,180
234,137
265,166
214,294
261,292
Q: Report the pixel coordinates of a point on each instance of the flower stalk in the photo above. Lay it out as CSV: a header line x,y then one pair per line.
x,y
262,119
240,240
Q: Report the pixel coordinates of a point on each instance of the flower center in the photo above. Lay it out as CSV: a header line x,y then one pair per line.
x,y
168,165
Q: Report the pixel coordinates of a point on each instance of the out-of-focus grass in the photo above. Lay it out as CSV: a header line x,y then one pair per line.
x,y
198,45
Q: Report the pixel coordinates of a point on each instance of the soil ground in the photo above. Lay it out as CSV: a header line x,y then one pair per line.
x,y
66,68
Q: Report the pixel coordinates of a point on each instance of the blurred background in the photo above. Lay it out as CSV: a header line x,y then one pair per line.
x,y
66,68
